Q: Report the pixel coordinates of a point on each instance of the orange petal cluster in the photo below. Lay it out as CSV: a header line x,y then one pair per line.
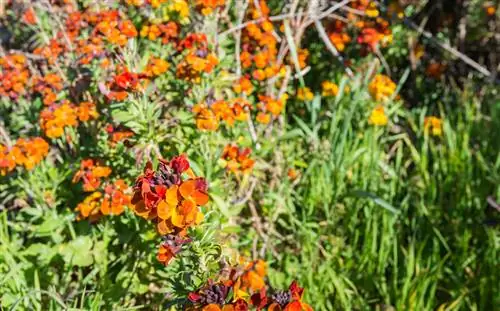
x,y
48,86
14,75
112,201
269,107
56,117
156,67
91,173
26,152
206,7
434,125
381,88
170,197
259,50
237,160
209,114
166,32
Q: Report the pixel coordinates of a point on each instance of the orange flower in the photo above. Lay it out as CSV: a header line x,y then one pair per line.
x,y
269,104
170,197
237,160
305,94
172,203
243,85
26,152
170,247
156,67
206,7
434,124
14,75
29,16
55,118
381,87
116,197
89,208
205,118
263,118
91,175
113,202
87,111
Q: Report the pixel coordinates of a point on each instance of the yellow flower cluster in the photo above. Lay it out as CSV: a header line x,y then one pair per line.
x,y
381,88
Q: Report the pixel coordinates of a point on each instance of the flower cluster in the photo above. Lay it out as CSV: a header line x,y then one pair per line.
x,y
338,35
198,59
259,53
270,107
329,88
117,31
237,160
14,75
56,117
209,114
166,32
244,288
48,86
381,88
90,174
111,201
170,197
305,94
206,7
434,125
25,152
122,83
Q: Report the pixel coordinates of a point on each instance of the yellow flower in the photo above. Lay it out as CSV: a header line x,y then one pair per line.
x,y
329,88
371,10
381,87
434,124
378,117
304,93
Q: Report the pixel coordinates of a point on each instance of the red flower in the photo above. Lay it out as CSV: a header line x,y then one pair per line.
x,y
180,164
259,299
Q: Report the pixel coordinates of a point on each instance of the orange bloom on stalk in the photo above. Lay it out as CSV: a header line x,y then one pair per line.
x,y
237,160
209,116
170,197
87,111
123,83
271,105
164,197
243,85
29,16
205,118
434,124
26,152
381,87
14,75
305,94
91,175
206,7
156,67
55,118
113,201
252,280
117,32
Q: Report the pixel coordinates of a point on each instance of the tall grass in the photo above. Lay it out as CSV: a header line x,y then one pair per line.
x,y
391,218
